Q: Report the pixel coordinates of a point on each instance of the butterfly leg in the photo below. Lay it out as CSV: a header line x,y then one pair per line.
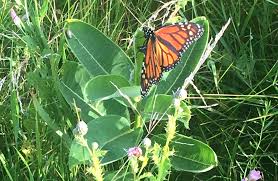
x,y
143,49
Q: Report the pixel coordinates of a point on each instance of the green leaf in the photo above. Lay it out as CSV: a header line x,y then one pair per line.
x,y
185,115
103,86
30,42
87,111
190,59
117,147
44,9
72,86
113,134
163,169
75,76
79,154
190,154
98,54
130,91
112,107
162,105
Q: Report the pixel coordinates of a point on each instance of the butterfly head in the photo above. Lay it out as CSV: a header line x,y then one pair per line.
x,y
148,32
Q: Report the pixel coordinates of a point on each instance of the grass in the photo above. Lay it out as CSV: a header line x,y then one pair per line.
x,y
240,76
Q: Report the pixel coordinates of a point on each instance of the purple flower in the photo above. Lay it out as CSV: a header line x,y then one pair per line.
x,y
254,175
15,18
134,152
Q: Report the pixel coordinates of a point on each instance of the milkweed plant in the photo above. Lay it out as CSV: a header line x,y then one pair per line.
x,y
105,87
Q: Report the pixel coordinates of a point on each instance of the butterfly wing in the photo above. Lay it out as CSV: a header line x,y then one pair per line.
x,y
164,49
151,70
173,40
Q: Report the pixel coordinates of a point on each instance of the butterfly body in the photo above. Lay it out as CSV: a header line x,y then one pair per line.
x,y
163,50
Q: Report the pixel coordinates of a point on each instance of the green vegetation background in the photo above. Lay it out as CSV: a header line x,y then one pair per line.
x,y
240,76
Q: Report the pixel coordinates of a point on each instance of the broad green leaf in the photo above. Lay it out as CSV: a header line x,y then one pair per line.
x,y
98,54
75,76
190,154
118,146
72,86
112,107
130,91
189,61
114,135
162,105
103,86
79,154
30,42
87,111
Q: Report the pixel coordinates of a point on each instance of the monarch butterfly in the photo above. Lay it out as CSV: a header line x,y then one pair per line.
x,y
163,49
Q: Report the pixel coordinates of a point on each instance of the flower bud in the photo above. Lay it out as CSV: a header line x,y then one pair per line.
x,y
181,94
254,175
147,142
176,102
15,18
95,145
134,152
81,128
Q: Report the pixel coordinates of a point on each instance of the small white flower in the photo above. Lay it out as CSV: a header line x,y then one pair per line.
x,y
95,145
181,94
176,102
81,128
147,142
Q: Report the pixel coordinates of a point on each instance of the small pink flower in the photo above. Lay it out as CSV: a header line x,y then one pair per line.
x,y
254,175
15,18
134,152
244,179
